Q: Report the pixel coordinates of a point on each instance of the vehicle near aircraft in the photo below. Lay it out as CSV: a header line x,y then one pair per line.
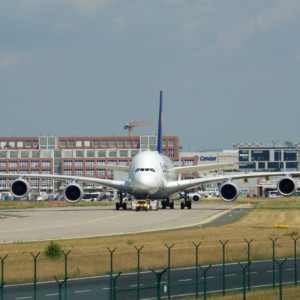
x,y
153,176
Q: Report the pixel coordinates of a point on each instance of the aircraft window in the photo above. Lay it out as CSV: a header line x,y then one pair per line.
x,y
152,170
142,170
147,170
137,170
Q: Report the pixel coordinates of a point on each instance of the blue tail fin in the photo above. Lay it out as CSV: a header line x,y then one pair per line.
x,y
160,122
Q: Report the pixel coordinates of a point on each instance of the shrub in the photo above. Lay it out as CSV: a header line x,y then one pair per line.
x,y
53,250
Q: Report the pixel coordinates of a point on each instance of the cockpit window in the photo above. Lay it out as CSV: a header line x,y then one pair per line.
x,y
137,170
144,170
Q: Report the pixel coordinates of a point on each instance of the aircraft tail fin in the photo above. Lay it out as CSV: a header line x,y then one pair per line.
x,y
160,123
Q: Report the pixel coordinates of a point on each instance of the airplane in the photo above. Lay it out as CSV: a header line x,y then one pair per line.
x,y
152,175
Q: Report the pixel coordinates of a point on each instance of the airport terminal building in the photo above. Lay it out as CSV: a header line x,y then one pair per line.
x,y
75,156
271,156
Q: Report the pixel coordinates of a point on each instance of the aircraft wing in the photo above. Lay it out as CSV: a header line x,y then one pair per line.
x,y
123,186
189,169
180,185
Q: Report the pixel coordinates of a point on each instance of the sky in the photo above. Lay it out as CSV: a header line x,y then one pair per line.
x,y
229,69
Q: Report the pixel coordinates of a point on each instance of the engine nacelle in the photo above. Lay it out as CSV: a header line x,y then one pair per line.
x,y
20,188
286,186
73,192
229,191
196,197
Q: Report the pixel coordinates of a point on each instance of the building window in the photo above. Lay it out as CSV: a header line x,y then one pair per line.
x,y
89,163
277,155
104,143
13,172
87,143
68,172
89,172
63,143
112,162
28,143
100,162
12,164
171,153
46,183
78,172
123,163
136,143
78,143
289,155
2,164
46,172
24,164
189,162
68,163
261,166
78,163
2,182
112,143
292,166
35,164
128,143
24,172
35,182
71,143
101,153
171,142
244,155
100,172
95,143
35,172
120,143
247,167
20,144
260,155
46,163
11,144
273,166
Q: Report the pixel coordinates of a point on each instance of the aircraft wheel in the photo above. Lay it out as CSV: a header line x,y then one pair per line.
x,y
124,205
163,205
182,205
117,206
189,205
172,205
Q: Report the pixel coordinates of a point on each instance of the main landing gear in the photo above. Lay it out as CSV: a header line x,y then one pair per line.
x,y
187,202
121,204
167,203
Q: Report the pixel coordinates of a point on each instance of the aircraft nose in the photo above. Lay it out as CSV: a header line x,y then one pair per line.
x,y
145,184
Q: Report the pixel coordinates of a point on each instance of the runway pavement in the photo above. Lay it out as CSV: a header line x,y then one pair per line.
x,y
79,222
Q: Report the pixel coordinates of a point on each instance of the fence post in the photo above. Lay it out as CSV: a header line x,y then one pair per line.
x,y
111,271
295,257
34,272
169,271
280,276
115,283
2,274
66,272
59,286
158,280
204,276
248,242
138,270
273,242
197,277
223,247
244,278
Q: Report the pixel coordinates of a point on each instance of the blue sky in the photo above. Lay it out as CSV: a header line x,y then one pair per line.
x,y
229,70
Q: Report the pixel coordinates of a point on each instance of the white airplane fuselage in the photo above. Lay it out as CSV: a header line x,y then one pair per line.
x,y
148,175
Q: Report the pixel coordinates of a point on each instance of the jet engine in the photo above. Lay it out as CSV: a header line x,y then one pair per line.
x,y
196,198
286,186
229,191
73,192
20,188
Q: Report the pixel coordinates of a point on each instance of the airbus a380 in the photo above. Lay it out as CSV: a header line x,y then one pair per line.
x,y
152,175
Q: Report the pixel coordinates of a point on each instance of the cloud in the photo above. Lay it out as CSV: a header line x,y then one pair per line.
x,y
9,61
283,12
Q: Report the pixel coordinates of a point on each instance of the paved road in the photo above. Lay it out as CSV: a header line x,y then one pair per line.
x,y
78,222
261,275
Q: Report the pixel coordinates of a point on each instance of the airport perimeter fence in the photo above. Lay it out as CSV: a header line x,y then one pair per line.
x,y
197,280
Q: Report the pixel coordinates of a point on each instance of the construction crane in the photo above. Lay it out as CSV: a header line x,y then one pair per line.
x,y
129,126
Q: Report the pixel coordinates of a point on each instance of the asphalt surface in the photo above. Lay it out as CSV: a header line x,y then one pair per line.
x,y
79,222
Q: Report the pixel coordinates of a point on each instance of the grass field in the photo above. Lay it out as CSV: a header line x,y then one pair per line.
x,y
91,256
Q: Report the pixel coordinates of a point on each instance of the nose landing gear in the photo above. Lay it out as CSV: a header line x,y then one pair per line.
x,y
121,204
